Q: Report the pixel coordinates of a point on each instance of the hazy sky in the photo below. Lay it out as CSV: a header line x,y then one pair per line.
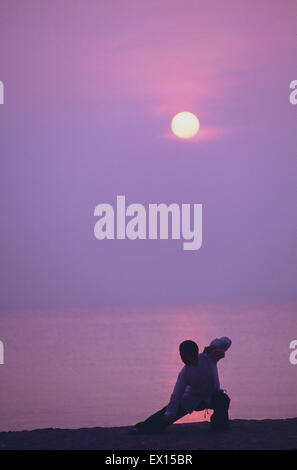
x,y
90,90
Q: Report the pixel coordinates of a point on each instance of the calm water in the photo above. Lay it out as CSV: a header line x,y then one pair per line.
x,y
116,365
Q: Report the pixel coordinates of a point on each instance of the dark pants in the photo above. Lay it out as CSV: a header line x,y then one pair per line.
x,y
219,419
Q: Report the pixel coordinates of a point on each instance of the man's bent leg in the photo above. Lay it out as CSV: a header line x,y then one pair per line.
x,y
154,423
220,402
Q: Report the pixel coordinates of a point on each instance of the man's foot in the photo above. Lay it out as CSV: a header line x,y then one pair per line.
x,y
219,421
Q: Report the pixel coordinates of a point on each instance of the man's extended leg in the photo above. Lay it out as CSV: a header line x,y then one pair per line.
x,y
219,420
154,424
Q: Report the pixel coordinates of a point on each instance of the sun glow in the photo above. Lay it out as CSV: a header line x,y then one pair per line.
x,y
185,125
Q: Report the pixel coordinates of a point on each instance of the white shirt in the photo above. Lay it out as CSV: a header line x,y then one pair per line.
x,y
197,383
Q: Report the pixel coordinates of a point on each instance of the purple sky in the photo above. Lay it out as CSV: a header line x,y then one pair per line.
x,y
90,90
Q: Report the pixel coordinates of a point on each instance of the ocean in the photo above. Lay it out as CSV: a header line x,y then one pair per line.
x,y
115,365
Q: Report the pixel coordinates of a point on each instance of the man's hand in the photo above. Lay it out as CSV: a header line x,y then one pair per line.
x,y
214,351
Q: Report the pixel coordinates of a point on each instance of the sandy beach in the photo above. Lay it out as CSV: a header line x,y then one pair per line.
x,y
268,434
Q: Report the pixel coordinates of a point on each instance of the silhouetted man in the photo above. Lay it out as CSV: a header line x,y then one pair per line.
x,y
197,388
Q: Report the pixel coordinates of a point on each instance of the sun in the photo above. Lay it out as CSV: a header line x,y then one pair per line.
x,y
185,125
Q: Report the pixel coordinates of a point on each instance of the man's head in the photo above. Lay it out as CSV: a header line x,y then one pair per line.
x,y
189,352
